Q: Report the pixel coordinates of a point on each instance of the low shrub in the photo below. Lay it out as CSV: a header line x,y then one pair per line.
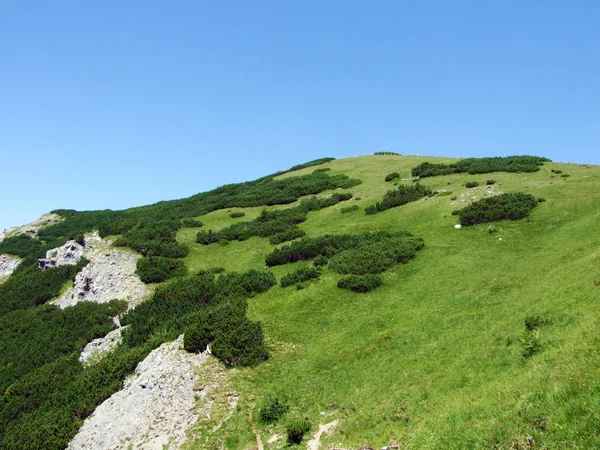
x,y
191,223
271,409
524,163
490,182
541,199
512,206
472,184
207,237
557,171
320,260
387,153
196,339
347,209
216,269
392,176
531,343
288,235
398,197
299,275
237,214
565,175
156,269
360,283
296,429
324,169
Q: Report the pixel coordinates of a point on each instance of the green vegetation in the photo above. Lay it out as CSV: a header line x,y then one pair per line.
x,y
392,176
499,207
31,286
191,223
387,153
314,162
280,225
347,209
272,409
480,165
300,275
360,283
485,340
401,196
471,184
237,214
296,430
156,269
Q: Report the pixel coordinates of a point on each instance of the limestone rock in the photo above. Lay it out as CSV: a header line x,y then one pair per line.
x,y
32,228
99,347
156,406
7,266
67,254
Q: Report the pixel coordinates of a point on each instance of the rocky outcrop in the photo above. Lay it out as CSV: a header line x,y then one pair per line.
x,y
32,228
67,254
110,274
157,405
96,349
7,266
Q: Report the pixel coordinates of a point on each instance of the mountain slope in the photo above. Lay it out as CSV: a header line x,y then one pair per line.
x,y
486,339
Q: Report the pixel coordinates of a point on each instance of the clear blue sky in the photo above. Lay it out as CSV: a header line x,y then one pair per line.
x,y
111,104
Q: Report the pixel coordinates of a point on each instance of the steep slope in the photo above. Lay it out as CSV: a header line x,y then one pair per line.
x,y
484,338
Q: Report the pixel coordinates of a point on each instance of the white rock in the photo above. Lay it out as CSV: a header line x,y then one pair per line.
x,y
99,347
458,226
67,254
32,228
109,275
7,266
156,406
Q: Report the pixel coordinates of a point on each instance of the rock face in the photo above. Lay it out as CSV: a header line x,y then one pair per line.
x,y
7,266
109,275
68,254
31,228
155,408
99,347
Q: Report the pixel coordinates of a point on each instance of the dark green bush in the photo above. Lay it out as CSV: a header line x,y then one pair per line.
x,y
315,162
216,270
481,165
531,343
347,209
299,275
288,235
387,153
490,182
320,260
156,269
236,214
191,223
360,283
402,195
271,409
504,206
541,199
240,346
296,430
24,246
565,175
324,169
196,339
557,171
392,176
472,184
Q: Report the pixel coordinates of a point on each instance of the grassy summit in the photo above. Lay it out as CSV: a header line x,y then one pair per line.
x,y
440,355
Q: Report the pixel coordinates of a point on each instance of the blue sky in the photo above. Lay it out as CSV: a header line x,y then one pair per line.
x,y
115,104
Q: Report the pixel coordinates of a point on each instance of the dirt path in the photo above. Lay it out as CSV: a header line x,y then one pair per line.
x,y
315,442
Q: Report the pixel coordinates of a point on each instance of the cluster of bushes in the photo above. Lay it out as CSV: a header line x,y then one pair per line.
x,y
156,269
392,176
154,239
264,191
471,184
375,257
191,223
556,171
31,286
46,393
314,162
402,195
523,163
288,234
278,224
360,254
347,209
490,182
360,283
237,214
504,206
300,275
387,153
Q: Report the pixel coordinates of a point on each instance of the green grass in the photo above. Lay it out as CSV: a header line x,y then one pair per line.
x,y
433,357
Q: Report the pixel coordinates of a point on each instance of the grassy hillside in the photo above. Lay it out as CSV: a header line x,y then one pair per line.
x,y
435,357
486,338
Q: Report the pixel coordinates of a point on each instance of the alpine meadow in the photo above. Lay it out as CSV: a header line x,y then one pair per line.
x,y
380,301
